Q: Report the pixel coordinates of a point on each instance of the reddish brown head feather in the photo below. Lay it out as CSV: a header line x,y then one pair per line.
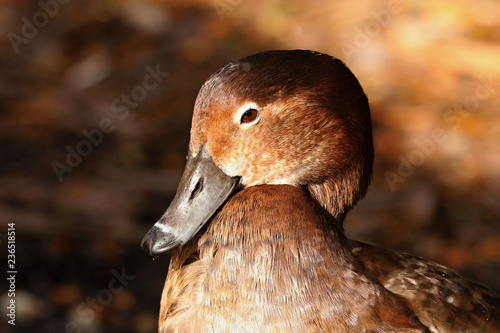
x,y
315,127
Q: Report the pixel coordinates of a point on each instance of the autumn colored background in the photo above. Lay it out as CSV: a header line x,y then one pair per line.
x,y
70,70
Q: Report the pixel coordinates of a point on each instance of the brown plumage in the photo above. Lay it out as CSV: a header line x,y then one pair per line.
x,y
270,261
270,255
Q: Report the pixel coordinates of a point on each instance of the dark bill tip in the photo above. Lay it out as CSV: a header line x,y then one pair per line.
x,y
156,242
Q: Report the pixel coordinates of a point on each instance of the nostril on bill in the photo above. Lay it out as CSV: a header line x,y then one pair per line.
x,y
197,189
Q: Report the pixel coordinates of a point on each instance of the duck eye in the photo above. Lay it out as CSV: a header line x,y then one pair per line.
x,y
249,116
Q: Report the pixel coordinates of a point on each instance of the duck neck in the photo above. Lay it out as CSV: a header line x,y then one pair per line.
x,y
279,229
268,254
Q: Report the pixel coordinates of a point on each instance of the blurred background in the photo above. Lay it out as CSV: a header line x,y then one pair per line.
x,y
96,100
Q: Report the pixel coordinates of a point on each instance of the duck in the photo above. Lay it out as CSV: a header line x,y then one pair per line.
x,y
280,151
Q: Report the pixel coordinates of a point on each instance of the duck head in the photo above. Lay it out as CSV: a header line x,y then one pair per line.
x,y
292,117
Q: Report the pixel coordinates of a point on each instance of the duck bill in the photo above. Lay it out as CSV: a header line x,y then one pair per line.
x,y
202,190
